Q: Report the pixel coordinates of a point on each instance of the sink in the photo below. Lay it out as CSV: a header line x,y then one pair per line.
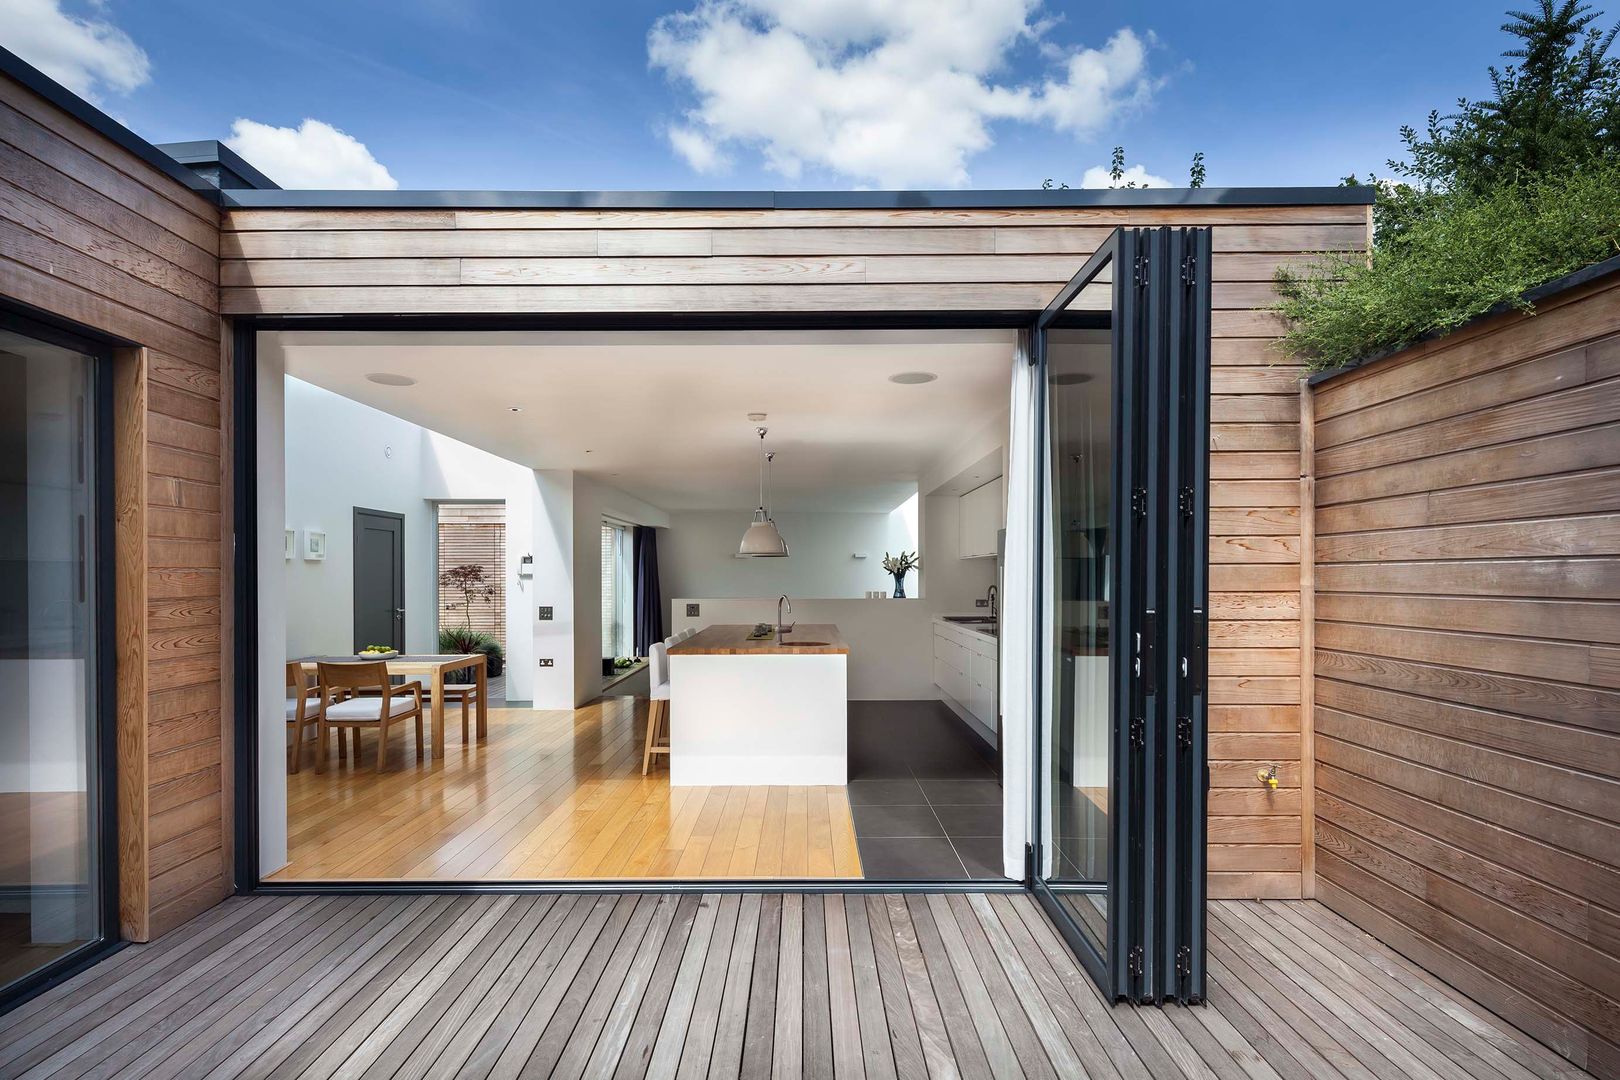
x,y
971,620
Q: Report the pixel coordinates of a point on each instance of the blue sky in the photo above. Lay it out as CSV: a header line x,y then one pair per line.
x,y
498,94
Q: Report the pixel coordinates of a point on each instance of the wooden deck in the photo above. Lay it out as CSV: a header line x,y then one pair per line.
x,y
738,985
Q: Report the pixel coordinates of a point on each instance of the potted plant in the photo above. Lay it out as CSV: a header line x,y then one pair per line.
x,y
900,565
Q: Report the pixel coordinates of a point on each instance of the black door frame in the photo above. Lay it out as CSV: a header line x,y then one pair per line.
x,y
103,793
1159,317
244,368
401,614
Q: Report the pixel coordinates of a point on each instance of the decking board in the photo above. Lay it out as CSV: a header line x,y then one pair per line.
x,y
717,985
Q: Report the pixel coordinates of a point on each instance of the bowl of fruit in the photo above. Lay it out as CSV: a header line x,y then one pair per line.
x,y
378,652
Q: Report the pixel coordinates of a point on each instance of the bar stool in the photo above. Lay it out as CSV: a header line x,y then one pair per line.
x,y
657,705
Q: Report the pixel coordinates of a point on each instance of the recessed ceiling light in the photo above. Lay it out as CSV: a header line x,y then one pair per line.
x,y
514,408
385,378
913,378
1070,378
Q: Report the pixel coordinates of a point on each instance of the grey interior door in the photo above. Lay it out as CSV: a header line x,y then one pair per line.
x,y
379,579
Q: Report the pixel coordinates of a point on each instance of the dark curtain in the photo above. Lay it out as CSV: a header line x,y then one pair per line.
x,y
649,599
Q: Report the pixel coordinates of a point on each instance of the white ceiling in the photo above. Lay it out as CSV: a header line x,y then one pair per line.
x,y
664,416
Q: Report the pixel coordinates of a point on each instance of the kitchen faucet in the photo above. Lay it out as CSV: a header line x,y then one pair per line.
x,y
993,595
780,629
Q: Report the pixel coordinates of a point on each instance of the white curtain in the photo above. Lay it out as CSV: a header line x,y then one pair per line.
x,y
1018,643
624,590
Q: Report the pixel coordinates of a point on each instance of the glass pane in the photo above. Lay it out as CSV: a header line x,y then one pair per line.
x,y
1079,722
48,814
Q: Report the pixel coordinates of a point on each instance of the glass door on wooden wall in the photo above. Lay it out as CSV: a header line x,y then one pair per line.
x,y
1119,755
54,867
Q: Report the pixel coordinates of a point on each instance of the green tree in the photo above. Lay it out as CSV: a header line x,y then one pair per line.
x,y
1493,199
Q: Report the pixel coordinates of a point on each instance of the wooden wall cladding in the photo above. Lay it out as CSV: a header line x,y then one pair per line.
x,y
449,261
91,233
1467,681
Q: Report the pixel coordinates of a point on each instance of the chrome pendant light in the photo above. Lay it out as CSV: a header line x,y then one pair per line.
x,y
763,540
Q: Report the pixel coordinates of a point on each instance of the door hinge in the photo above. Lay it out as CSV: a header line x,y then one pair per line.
x,y
1183,961
1133,962
1139,502
1138,732
1189,270
1184,731
1184,501
1140,271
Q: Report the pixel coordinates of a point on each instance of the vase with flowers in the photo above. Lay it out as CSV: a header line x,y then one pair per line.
x,y
899,566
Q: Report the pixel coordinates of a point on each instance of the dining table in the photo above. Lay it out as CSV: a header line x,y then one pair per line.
x,y
435,666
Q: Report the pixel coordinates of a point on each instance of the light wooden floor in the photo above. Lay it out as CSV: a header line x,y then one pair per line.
x,y
738,986
552,795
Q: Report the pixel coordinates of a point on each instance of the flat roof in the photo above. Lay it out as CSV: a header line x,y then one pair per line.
x,y
962,199
956,199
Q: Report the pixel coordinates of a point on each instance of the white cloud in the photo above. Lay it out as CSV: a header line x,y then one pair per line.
x,y
1097,177
698,150
313,155
897,92
84,53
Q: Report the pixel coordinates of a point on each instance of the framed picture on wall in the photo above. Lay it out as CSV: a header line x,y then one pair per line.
x,y
314,545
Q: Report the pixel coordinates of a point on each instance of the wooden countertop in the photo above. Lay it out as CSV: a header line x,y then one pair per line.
x,y
727,640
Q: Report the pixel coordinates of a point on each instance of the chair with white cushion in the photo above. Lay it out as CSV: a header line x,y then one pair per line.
x,y
689,632
657,705
303,712
390,705
465,693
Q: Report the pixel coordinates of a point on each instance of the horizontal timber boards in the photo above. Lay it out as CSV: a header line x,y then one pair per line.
x,y
1467,685
383,262
93,234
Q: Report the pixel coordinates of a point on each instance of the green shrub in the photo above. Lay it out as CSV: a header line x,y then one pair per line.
x,y
1450,265
1496,198
460,639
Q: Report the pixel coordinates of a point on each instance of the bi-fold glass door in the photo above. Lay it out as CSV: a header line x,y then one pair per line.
x,y
1122,357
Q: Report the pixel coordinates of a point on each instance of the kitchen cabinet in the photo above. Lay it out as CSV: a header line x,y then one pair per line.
x,y
978,519
965,670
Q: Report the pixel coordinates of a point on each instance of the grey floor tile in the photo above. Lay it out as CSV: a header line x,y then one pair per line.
x,y
916,820
981,855
885,792
969,820
910,858
962,792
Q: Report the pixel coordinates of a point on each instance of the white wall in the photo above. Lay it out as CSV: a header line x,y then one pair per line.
x,y
342,455
891,641
270,482
592,501
698,555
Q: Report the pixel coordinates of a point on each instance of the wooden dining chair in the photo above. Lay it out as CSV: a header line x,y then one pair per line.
x,y
390,705
465,693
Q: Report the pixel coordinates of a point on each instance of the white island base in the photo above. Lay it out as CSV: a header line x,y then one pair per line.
x,y
759,716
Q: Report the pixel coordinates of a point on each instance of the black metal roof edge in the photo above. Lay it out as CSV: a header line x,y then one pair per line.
x,y
1545,291
212,151
81,110
965,199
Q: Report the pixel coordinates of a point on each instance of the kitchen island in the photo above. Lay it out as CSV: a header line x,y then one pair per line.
x,y
749,711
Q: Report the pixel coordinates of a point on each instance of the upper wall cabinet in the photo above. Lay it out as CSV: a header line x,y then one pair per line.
x,y
979,519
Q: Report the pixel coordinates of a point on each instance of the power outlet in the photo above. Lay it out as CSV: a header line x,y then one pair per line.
x,y
691,611
982,602
546,661
545,614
